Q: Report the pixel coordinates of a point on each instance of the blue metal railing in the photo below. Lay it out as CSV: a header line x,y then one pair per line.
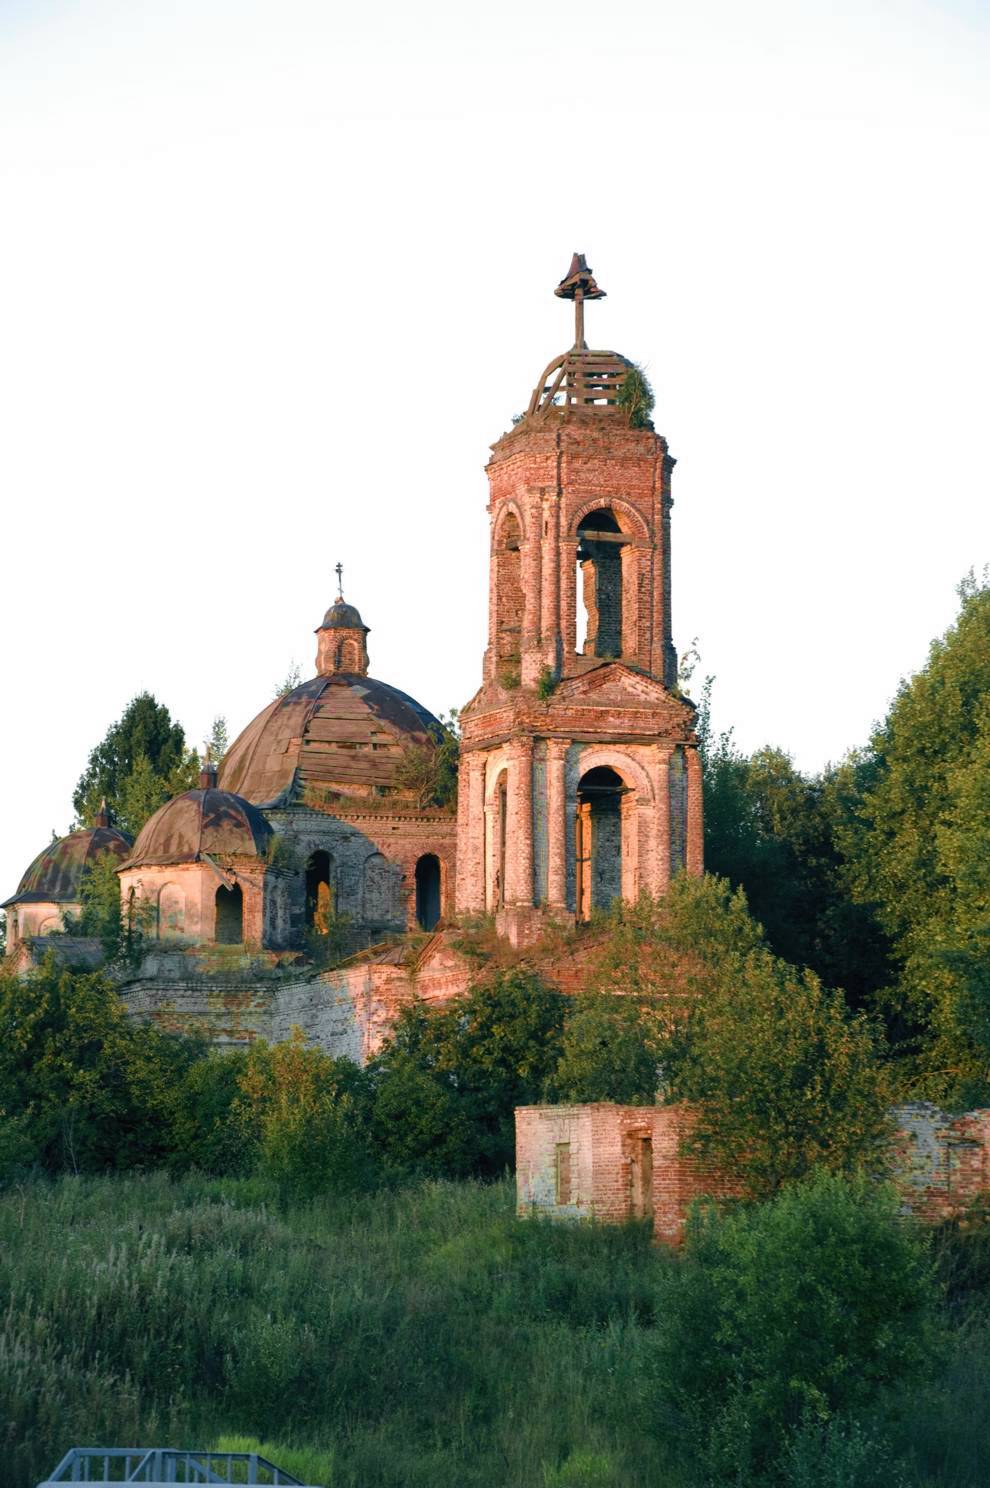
x,y
162,1467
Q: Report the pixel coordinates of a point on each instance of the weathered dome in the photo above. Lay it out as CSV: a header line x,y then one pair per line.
x,y
200,822
583,381
342,732
343,616
55,874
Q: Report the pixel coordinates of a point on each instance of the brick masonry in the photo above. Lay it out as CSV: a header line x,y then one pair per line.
x,y
940,1164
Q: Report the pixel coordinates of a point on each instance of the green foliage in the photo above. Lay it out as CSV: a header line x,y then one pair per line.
x,y
140,763
609,1051
207,1127
546,684
446,1083
289,682
218,742
306,1464
430,770
636,398
121,932
303,1113
86,1088
921,852
422,1336
788,1314
783,1078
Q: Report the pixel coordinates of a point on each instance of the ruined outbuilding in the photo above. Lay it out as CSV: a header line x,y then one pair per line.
x,y
620,1163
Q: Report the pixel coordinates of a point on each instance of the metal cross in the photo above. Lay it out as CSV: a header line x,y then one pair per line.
x,y
340,580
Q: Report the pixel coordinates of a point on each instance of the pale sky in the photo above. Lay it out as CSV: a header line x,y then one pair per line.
x,y
275,276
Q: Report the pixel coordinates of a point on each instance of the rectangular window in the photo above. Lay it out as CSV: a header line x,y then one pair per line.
x,y
563,1172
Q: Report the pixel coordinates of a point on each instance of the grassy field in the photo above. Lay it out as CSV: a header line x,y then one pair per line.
x,y
420,1336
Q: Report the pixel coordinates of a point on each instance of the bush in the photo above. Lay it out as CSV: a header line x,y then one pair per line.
x,y
790,1313
446,1084
609,1052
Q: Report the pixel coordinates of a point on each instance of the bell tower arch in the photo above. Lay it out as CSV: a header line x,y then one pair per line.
x,y
580,651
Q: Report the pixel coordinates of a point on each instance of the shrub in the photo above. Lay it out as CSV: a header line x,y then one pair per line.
x,y
609,1052
792,1312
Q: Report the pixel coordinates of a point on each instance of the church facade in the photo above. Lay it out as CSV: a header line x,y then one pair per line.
x,y
579,779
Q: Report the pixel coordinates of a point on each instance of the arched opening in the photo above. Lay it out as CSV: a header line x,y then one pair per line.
x,y
599,559
319,897
230,916
500,813
509,595
598,840
428,891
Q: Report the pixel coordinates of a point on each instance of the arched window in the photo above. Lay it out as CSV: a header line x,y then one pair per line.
x,y
319,895
229,916
599,558
509,592
598,840
428,891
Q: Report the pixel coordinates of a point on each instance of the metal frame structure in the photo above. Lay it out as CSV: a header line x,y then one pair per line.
x,y
163,1467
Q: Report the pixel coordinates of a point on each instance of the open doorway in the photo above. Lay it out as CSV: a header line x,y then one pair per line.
x,y
428,891
229,915
319,898
598,840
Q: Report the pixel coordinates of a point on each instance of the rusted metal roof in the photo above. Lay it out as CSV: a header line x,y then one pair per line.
x,y
201,822
338,733
55,874
343,616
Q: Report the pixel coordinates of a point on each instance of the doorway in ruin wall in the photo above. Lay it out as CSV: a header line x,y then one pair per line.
x,y
640,1175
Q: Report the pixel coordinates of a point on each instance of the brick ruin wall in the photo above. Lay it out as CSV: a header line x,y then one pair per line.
x,y
940,1164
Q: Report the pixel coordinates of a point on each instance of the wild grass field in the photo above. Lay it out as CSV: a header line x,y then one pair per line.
x,y
414,1336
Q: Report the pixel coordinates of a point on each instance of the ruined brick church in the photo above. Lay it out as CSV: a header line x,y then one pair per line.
x,y
579,776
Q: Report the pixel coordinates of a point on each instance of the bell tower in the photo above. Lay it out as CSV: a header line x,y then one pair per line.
x,y
580,778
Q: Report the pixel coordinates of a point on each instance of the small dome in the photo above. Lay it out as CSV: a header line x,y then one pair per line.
x,y
200,822
343,616
581,381
55,874
341,732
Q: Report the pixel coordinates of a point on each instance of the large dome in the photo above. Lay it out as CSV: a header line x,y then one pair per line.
x,y
200,822
343,733
55,874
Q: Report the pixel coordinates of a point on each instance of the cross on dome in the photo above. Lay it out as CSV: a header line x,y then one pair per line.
x,y
578,284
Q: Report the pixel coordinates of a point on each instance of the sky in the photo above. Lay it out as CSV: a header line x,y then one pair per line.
x,y
274,276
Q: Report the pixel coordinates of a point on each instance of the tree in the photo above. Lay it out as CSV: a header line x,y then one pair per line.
x,y
781,1076
218,743
302,1112
446,1084
90,1089
140,763
609,1051
431,769
917,853
289,682
788,1314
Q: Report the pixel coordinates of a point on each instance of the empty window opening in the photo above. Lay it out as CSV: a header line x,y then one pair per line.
x,y
428,891
509,593
562,1172
598,840
319,896
599,585
230,916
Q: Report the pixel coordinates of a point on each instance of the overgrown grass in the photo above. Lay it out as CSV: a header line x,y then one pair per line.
x,y
417,1336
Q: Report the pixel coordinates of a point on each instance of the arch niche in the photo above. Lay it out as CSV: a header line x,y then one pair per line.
x,y
496,825
508,591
